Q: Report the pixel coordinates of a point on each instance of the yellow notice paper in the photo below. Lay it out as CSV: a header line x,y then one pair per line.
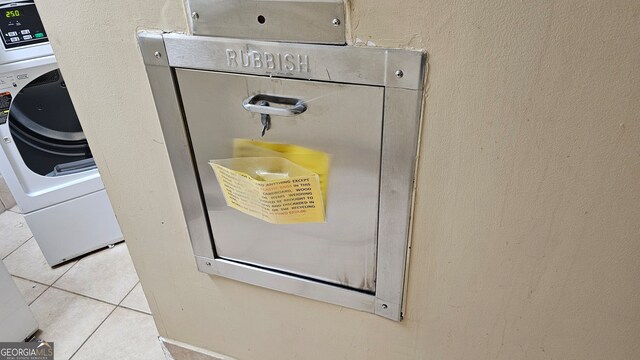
x,y
270,188
315,161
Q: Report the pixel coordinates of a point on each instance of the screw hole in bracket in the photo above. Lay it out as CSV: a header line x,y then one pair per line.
x,y
261,19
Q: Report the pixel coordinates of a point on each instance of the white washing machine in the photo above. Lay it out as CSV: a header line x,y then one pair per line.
x,y
45,158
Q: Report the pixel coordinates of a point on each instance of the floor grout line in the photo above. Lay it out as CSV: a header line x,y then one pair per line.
x,y
128,293
90,298
37,297
35,281
85,296
128,308
19,246
134,310
70,267
105,319
93,332
100,300
73,292
53,285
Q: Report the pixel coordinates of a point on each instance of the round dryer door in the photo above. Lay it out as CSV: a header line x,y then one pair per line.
x,y
46,130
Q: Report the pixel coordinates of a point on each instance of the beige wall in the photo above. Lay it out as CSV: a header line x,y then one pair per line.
x,y
527,231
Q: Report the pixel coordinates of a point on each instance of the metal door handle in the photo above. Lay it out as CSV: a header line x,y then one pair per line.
x,y
294,106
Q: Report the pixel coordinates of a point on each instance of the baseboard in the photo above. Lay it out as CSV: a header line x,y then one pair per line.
x,y
176,350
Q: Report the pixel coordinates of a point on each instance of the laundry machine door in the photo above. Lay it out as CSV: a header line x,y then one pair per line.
x,y
46,129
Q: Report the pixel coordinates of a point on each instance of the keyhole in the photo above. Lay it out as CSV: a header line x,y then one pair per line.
x,y
265,119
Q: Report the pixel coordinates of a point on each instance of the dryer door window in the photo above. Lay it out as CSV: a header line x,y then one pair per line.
x,y
46,129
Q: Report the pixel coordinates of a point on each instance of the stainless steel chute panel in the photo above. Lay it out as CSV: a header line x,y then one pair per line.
x,y
342,120
360,105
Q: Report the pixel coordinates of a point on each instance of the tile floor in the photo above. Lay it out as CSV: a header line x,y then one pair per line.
x,y
91,308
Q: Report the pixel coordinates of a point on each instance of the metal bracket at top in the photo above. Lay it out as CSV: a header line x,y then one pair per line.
x,y
303,21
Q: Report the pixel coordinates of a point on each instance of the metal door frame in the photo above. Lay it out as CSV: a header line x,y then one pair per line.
x,y
400,72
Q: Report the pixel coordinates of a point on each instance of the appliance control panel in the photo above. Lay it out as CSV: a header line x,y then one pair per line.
x,y
21,25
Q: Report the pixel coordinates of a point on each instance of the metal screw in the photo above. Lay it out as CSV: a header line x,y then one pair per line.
x,y
384,306
157,54
208,263
195,15
399,74
336,22
6,139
